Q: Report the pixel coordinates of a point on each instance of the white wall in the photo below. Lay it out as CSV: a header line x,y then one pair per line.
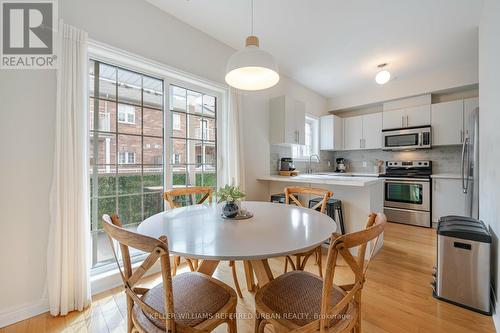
x,y
436,80
489,135
27,103
27,106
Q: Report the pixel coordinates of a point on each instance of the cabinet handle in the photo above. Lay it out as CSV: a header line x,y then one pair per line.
x,y
407,121
402,121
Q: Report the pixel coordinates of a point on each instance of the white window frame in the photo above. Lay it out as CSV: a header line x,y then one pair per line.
x,y
105,276
125,157
127,111
176,122
300,152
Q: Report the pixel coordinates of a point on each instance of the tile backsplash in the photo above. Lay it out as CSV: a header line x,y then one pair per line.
x,y
445,159
279,151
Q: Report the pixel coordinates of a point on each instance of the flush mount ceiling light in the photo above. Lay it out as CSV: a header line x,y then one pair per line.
x,y
252,68
383,76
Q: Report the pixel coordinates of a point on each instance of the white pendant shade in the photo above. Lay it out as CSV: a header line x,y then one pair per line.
x,y
383,77
252,68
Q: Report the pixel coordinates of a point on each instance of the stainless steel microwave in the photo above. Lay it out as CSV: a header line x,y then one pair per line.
x,y
407,138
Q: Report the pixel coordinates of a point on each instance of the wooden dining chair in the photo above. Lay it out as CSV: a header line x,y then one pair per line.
x,y
189,302
291,197
301,302
205,193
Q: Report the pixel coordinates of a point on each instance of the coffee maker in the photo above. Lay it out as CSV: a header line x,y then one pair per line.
x,y
286,164
341,165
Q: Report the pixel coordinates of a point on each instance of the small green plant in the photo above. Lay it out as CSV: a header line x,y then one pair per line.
x,y
230,193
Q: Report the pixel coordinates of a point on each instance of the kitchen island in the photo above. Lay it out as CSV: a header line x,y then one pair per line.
x,y
360,195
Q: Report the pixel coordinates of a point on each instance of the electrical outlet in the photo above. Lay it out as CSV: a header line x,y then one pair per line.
x,y
364,164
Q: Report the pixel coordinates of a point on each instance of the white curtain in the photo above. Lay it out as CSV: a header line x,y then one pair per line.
x,y
232,170
68,253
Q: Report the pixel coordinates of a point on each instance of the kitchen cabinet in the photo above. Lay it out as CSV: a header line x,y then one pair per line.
x,y
418,116
447,198
331,133
372,131
363,132
447,123
450,121
353,132
413,116
287,121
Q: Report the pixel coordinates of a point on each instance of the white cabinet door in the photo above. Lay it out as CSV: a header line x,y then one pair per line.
x,y
418,116
287,121
331,133
470,104
447,198
447,123
300,121
393,119
372,131
353,132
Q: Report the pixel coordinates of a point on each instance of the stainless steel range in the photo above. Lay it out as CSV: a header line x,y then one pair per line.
x,y
408,192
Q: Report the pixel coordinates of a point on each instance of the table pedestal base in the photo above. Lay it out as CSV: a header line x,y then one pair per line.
x,y
259,267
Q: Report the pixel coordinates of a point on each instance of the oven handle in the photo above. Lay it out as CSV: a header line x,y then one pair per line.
x,y
407,180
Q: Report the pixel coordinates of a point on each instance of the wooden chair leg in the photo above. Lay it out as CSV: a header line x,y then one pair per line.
x,y
231,324
177,261
262,326
258,320
190,264
319,261
235,278
130,305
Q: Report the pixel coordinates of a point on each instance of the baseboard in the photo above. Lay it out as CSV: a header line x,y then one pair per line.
x,y
22,312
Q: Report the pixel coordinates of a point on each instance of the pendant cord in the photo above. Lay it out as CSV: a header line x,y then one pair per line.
x,y
252,17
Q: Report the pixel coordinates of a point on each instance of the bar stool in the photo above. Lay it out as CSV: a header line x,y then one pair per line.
x,y
333,206
278,198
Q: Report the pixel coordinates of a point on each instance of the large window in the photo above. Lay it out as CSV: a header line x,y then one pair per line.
x,y
126,150
193,146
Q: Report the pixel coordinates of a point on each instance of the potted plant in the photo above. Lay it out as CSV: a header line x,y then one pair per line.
x,y
230,194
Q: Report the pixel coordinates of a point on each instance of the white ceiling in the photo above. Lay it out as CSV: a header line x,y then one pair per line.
x,y
334,46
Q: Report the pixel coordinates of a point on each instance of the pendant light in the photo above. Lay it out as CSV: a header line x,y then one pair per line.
x,y
383,76
252,68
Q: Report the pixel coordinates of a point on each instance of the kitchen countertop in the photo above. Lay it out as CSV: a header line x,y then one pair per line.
x,y
328,178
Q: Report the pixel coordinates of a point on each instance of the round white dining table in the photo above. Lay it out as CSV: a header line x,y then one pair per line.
x,y
200,232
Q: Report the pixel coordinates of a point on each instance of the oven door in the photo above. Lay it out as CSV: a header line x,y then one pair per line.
x,y
407,194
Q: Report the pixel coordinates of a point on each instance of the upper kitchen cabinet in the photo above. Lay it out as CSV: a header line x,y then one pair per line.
x,y
413,116
331,133
447,123
287,121
363,132
393,119
353,133
450,121
408,112
372,131
418,116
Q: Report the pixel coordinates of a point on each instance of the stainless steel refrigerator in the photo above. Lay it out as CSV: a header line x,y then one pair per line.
x,y
470,163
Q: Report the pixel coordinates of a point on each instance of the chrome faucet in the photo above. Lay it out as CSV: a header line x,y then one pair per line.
x,y
309,167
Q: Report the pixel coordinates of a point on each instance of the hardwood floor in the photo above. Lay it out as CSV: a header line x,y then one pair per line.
x,y
397,296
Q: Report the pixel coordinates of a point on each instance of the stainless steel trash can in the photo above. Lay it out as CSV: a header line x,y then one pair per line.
x,y
462,274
